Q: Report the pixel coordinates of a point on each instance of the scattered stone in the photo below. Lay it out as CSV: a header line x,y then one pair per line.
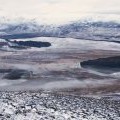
x,y
23,106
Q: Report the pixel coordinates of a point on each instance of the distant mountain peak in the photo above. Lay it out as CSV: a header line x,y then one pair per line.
x,y
85,29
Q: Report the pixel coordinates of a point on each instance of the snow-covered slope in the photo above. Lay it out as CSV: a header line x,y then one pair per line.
x,y
94,30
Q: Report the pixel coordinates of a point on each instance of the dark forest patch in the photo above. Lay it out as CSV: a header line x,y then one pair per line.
x,y
14,74
33,44
107,65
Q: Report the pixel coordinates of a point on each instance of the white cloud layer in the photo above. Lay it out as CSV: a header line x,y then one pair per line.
x,y
57,11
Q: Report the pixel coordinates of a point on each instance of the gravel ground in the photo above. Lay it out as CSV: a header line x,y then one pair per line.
x,y
52,106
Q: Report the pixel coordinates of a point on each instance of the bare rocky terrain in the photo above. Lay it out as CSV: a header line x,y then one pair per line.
x,y
51,106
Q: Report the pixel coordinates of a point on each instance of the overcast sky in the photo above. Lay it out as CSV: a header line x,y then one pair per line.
x,y
56,11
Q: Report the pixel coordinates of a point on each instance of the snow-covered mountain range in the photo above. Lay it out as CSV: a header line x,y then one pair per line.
x,y
93,30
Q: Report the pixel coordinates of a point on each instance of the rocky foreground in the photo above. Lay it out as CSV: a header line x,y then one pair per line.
x,y
52,106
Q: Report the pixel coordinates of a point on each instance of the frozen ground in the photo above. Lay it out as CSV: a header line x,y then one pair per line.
x,y
57,66
60,88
